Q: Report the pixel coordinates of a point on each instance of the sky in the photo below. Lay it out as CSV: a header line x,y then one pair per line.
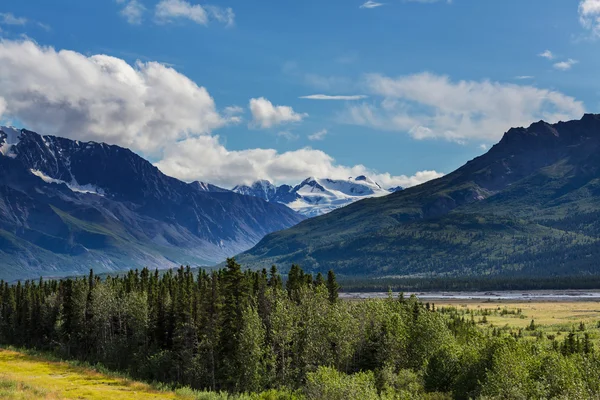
x,y
231,91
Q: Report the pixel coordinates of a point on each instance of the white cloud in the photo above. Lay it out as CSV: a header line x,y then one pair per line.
x,y
223,15
10,19
328,97
589,15
232,114
432,106
167,10
320,135
170,10
2,107
547,54
287,135
45,27
133,11
102,98
205,158
371,4
565,65
524,77
153,109
266,115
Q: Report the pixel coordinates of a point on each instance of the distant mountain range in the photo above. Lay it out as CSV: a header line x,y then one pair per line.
x,y
529,206
67,206
314,196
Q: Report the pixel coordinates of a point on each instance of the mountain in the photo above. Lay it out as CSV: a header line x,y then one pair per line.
x,y
529,206
313,196
67,206
265,190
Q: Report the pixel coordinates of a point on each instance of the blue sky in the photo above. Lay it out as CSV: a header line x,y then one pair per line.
x,y
420,85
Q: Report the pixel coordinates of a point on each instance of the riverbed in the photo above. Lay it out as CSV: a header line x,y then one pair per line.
x,y
492,296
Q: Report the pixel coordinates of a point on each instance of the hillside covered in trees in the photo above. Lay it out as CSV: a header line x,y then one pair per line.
x,y
245,331
527,207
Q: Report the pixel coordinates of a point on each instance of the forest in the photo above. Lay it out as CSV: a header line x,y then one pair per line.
x,y
242,331
469,283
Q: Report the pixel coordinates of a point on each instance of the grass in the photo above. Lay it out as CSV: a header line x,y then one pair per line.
x,y
24,376
550,317
29,374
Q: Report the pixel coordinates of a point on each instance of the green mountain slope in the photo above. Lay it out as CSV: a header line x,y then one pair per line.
x,y
528,206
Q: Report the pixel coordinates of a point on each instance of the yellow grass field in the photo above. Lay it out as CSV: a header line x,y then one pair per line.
x,y
550,316
28,377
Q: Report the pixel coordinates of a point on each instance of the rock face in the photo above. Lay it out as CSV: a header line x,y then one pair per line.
x,y
313,196
66,206
530,205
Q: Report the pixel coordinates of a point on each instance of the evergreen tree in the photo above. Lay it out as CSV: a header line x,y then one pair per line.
x,y
332,286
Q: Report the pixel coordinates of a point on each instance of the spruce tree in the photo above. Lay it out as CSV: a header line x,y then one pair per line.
x,y
332,286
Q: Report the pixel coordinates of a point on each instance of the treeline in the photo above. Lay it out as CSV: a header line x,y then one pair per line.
x,y
474,283
248,331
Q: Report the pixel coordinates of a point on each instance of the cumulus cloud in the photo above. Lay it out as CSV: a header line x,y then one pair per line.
x,y
565,65
132,11
171,10
432,106
102,98
371,4
589,15
320,135
228,168
547,54
152,108
329,97
265,115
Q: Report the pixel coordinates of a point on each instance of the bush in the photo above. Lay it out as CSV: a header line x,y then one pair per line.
x,y
329,384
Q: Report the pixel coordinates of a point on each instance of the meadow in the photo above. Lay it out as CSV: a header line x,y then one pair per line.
x,y
28,375
24,376
552,318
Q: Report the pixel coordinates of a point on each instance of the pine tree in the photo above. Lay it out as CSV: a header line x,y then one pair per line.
x,y
332,286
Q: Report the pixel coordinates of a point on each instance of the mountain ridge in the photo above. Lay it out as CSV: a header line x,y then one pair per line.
x,y
512,194
66,206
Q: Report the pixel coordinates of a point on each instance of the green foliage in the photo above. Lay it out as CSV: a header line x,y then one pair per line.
x,y
330,384
232,334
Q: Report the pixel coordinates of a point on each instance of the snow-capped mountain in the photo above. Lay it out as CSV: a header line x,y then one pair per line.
x,y
265,190
67,206
316,196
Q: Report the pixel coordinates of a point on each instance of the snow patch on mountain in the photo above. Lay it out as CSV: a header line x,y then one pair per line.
x,y
9,137
316,196
73,185
262,189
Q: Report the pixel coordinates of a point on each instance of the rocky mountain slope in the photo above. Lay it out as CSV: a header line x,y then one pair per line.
x,y
67,206
529,206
